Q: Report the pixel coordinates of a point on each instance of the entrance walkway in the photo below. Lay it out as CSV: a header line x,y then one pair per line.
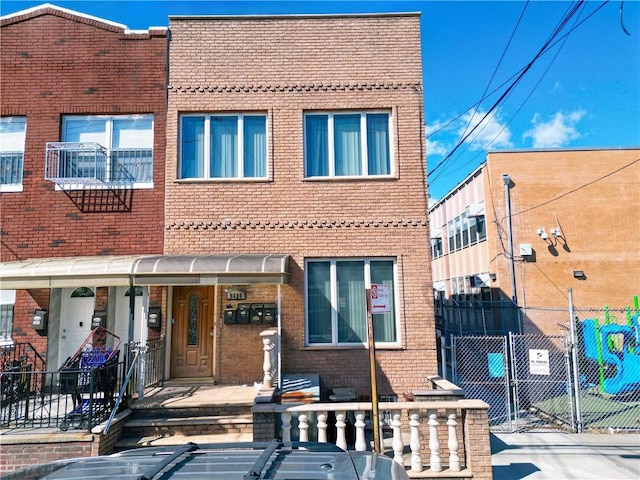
x,y
180,394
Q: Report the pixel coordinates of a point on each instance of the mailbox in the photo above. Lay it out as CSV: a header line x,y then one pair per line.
x,y
154,317
39,320
99,319
230,315
243,313
256,312
269,313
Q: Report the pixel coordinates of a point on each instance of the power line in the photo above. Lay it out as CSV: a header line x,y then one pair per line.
x,y
519,75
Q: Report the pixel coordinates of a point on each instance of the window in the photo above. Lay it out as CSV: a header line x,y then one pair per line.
x,y
336,301
347,144
223,146
464,231
12,136
7,301
128,140
436,247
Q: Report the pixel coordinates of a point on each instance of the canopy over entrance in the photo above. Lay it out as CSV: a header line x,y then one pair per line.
x,y
122,270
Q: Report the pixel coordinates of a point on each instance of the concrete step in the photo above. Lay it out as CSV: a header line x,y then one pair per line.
x,y
183,425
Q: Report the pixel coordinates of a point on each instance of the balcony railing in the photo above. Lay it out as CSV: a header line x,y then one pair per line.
x,y
11,166
88,164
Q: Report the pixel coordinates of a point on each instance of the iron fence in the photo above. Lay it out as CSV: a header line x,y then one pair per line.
x,y
67,398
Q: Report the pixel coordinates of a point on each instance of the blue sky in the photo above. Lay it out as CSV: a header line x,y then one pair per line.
x,y
489,82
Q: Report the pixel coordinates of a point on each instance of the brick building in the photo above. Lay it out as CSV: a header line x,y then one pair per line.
x,y
312,131
312,190
573,217
82,147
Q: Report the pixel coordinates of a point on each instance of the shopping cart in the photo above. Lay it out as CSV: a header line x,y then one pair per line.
x,y
92,370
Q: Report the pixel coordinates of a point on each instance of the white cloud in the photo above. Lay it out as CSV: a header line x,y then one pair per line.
x,y
436,148
556,132
491,132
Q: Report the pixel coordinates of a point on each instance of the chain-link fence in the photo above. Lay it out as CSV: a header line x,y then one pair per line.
x,y
587,377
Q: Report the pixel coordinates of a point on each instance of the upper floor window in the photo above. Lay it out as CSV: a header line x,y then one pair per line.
x,y
12,137
350,144
336,301
436,247
223,146
110,149
466,230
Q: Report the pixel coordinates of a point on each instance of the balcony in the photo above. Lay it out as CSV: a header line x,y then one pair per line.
x,y
89,165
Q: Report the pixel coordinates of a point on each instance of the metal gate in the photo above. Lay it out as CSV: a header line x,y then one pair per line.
x,y
525,379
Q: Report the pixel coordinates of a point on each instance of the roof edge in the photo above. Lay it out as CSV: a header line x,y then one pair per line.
x,y
48,8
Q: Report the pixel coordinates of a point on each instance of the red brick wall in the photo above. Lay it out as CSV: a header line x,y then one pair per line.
x,y
54,63
284,67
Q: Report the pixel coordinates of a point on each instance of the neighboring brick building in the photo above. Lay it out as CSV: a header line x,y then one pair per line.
x,y
88,83
281,107
586,201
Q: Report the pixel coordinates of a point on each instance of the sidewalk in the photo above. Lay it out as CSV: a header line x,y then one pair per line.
x,y
564,456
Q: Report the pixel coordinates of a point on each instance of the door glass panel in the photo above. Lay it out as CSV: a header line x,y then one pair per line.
x,y
193,320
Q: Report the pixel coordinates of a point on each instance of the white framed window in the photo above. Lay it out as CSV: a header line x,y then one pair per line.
x,y
7,302
335,307
347,144
221,146
12,137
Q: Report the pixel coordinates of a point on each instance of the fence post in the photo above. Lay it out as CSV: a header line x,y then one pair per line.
x,y
574,358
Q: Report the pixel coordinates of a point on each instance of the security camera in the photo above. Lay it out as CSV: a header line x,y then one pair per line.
x,y
543,235
556,232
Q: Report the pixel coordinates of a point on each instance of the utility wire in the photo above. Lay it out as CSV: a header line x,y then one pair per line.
x,y
522,104
548,45
510,88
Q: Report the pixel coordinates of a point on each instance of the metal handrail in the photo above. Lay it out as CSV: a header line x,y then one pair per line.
x,y
122,390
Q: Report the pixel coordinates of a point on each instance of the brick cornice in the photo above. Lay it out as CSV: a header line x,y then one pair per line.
x,y
294,224
326,87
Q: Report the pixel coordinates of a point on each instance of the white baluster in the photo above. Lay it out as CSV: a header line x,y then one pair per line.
x,y
322,427
434,444
267,366
361,444
454,459
286,426
303,426
416,459
341,437
398,447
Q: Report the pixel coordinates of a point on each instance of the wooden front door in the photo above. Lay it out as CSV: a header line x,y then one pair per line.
x,y
192,332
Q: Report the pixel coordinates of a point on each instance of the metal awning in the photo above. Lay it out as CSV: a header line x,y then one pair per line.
x,y
124,270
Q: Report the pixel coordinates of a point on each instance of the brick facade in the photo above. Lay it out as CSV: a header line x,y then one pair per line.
x,y
55,63
284,67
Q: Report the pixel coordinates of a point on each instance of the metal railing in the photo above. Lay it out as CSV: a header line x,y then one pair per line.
x,y
89,163
68,398
11,167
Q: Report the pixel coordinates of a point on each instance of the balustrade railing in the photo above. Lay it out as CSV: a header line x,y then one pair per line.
x,y
270,362
432,436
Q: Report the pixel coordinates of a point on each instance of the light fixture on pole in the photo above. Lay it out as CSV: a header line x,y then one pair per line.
x,y
506,180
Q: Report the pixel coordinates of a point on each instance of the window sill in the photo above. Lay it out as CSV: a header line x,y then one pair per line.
x,y
358,178
11,188
188,181
355,346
